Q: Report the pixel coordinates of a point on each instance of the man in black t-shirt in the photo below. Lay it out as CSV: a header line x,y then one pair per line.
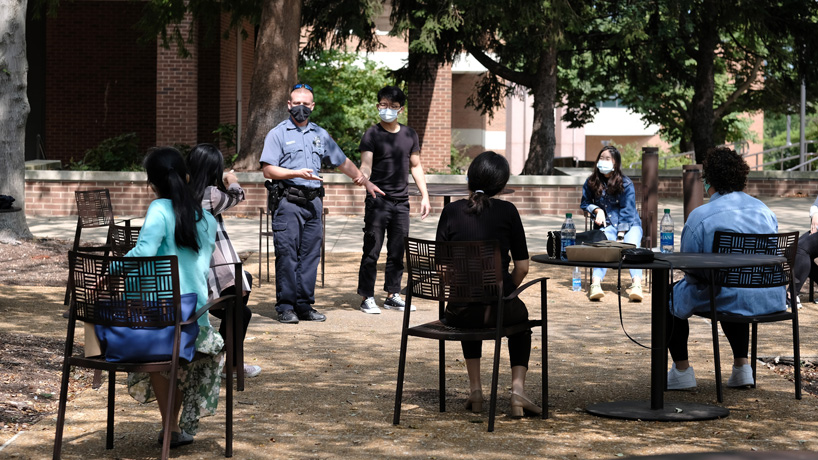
x,y
389,152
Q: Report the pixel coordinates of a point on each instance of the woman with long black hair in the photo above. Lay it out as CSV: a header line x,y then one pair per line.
x,y
609,196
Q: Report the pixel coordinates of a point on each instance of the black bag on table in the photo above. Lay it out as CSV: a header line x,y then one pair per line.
x,y
6,201
554,240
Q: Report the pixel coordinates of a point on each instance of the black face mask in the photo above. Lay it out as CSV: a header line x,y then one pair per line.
x,y
300,113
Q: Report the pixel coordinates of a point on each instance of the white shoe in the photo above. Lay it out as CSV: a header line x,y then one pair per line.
x,y
681,380
369,306
636,293
741,377
396,303
249,371
596,292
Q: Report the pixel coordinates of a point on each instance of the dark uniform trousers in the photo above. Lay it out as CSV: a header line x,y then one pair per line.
x,y
297,239
383,215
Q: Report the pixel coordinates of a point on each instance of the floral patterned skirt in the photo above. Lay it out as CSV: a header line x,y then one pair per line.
x,y
198,381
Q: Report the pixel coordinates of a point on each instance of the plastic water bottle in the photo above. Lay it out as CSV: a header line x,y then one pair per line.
x,y
666,233
576,280
568,235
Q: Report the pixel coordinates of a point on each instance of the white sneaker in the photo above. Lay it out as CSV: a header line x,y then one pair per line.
x,y
681,380
596,292
741,377
369,306
636,293
249,371
396,303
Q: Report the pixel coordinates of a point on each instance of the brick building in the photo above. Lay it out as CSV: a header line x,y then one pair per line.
x,y
92,77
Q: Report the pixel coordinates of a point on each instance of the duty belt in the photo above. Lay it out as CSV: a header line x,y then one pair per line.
x,y
302,196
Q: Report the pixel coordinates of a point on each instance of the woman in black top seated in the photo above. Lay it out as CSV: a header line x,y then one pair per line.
x,y
480,217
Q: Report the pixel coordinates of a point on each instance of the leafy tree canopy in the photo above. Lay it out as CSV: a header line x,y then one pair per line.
x,y
691,66
346,87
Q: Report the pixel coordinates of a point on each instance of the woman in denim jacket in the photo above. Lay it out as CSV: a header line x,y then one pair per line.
x,y
610,198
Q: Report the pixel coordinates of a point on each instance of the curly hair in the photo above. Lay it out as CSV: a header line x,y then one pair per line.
x,y
725,170
598,181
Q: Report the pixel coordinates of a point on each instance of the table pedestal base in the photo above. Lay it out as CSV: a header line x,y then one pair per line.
x,y
672,412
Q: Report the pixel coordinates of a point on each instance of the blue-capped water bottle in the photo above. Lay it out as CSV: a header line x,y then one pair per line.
x,y
666,233
568,235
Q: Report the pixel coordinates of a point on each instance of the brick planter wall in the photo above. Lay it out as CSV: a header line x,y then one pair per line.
x,y
51,193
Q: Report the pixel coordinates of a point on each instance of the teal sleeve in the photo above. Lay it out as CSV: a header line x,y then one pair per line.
x,y
152,234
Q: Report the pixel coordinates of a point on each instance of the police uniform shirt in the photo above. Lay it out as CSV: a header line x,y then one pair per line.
x,y
291,147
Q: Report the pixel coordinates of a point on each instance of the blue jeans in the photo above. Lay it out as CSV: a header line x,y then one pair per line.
x,y
632,236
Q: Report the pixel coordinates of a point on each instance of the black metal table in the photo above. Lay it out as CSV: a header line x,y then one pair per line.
x,y
447,191
655,408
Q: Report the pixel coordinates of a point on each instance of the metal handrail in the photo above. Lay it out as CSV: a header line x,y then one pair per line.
x,y
743,146
780,160
739,146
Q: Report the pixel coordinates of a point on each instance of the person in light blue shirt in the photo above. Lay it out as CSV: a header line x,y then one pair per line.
x,y
730,210
610,198
176,224
292,157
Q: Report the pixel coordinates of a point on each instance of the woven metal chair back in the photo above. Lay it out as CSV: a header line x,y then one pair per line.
x,y
777,244
454,271
133,292
123,239
94,208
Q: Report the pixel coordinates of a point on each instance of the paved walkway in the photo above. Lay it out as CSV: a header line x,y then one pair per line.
x,y
344,232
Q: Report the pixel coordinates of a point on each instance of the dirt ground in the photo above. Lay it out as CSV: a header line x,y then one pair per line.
x,y
327,389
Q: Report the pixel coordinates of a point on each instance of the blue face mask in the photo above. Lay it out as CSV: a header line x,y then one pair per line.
x,y
605,166
388,115
706,187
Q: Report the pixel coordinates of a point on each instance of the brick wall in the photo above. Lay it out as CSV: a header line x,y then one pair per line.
x,y
96,78
131,197
430,109
176,92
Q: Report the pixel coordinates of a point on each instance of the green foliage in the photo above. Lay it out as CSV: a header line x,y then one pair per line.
x,y
776,136
120,153
691,66
632,153
346,87
459,163
226,139
225,135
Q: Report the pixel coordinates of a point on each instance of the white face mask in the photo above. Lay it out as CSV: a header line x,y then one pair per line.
x,y
388,115
604,166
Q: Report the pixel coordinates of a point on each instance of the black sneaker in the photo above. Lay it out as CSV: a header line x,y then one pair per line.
x,y
288,317
312,315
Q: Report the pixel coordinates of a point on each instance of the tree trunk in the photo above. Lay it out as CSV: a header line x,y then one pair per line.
x,y
543,139
274,72
703,110
14,110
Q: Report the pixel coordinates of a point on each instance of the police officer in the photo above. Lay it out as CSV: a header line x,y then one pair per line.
x,y
292,155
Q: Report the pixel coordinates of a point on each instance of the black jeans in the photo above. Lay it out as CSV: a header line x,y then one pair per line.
x,y
804,266
246,314
383,216
678,330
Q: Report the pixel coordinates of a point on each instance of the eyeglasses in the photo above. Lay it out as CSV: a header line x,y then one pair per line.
x,y
388,106
302,85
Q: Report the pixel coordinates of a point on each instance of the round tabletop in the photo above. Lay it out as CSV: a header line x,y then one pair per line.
x,y
678,260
